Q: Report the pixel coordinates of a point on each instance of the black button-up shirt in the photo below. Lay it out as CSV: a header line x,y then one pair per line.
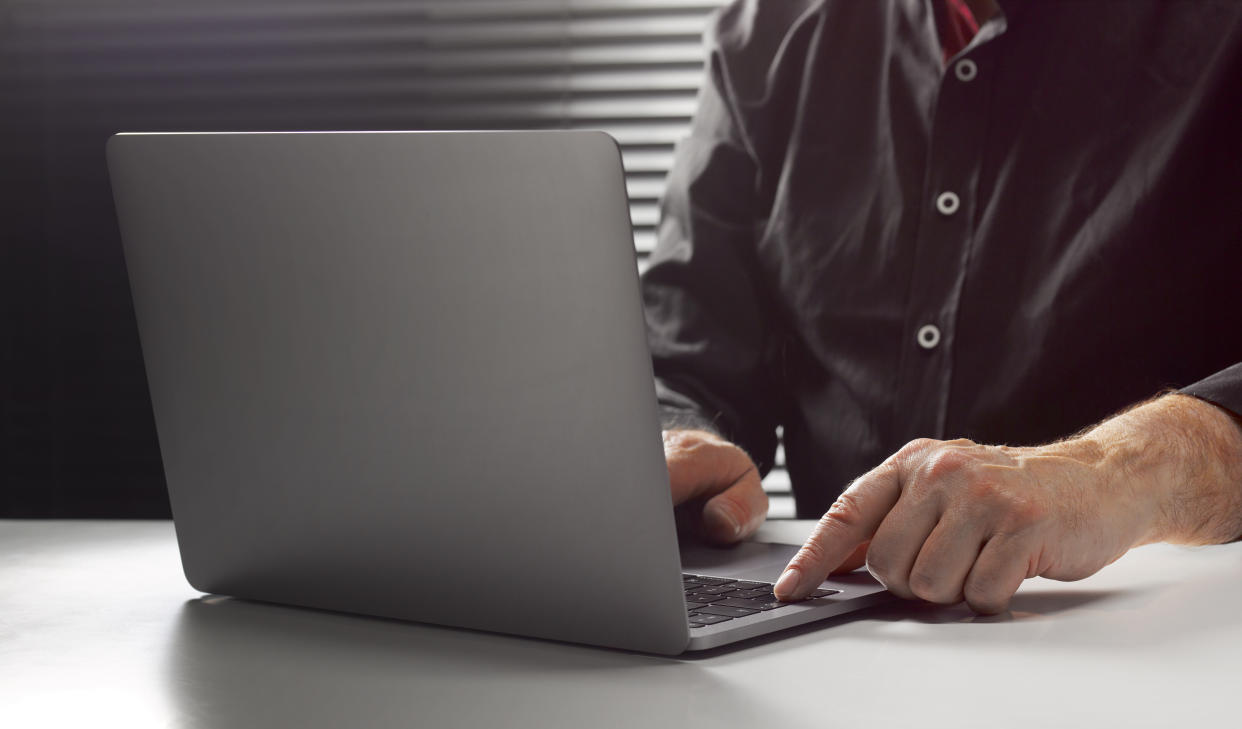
x,y
865,245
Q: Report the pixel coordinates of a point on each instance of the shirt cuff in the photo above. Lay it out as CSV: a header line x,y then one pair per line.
x,y
1223,389
679,412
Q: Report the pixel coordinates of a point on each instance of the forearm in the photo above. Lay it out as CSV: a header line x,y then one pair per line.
x,y
1181,458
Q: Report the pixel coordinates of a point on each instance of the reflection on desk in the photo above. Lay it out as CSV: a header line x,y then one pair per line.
x,y
97,626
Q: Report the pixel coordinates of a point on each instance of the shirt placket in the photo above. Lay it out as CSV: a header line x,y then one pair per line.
x,y
943,244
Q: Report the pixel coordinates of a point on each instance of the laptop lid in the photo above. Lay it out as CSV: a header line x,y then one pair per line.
x,y
405,374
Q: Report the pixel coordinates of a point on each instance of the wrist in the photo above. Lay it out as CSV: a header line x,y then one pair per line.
x,y
1173,466
1115,491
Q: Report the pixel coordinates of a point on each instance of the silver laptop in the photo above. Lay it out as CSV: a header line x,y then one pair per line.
x,y
406,375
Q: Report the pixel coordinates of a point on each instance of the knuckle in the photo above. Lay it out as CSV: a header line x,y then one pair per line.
x,y
925,586
846,511
676,440
940,473
687,443
944,464
706,459
918,445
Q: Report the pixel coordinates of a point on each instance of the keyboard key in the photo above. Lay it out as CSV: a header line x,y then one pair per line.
x,y
694,605
751,593
739,603
698,620
695,597
711,590
823,593
747,585
769,605
728,612
713,581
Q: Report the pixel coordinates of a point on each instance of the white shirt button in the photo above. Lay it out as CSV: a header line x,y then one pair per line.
x,y
928,336
965,70
947,203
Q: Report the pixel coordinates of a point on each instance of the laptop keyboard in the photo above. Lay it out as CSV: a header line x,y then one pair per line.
x,y
712,600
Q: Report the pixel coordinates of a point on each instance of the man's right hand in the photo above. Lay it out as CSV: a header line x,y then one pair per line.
x,y
718,484
715,484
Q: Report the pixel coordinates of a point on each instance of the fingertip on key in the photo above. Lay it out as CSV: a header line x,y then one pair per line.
x,y
787,587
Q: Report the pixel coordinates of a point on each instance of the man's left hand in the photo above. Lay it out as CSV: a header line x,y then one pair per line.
x,y
952,521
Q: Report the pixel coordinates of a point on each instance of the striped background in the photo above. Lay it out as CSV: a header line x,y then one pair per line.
x,y
76,71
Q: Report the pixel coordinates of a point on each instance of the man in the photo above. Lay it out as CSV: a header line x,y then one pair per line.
x,y
904,221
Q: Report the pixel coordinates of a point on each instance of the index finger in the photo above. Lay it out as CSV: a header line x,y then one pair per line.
x,y
850,521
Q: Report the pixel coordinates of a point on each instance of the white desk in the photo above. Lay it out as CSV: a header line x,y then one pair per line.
x,y
98,628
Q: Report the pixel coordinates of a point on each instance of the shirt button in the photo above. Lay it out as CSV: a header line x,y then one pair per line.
x,y
928,336
947,203
965,70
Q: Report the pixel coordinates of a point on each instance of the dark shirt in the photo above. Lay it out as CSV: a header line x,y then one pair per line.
x,y
865,245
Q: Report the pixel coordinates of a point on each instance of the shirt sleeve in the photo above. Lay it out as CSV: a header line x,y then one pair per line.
x,y
711,325
1223,389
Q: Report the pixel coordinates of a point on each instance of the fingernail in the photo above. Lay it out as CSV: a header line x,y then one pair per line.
x,y
718,521
787,585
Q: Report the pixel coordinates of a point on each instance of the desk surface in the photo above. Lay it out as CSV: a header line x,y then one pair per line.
x,y
98,627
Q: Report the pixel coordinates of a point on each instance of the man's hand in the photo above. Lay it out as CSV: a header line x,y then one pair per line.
x,y
952,521
717,481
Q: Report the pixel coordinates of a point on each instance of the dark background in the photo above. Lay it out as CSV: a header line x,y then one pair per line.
x,y
76,431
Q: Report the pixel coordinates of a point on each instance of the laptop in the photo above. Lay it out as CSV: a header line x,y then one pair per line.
x,y
405,374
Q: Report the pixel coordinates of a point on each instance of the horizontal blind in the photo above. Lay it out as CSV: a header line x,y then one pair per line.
x,y
629,67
